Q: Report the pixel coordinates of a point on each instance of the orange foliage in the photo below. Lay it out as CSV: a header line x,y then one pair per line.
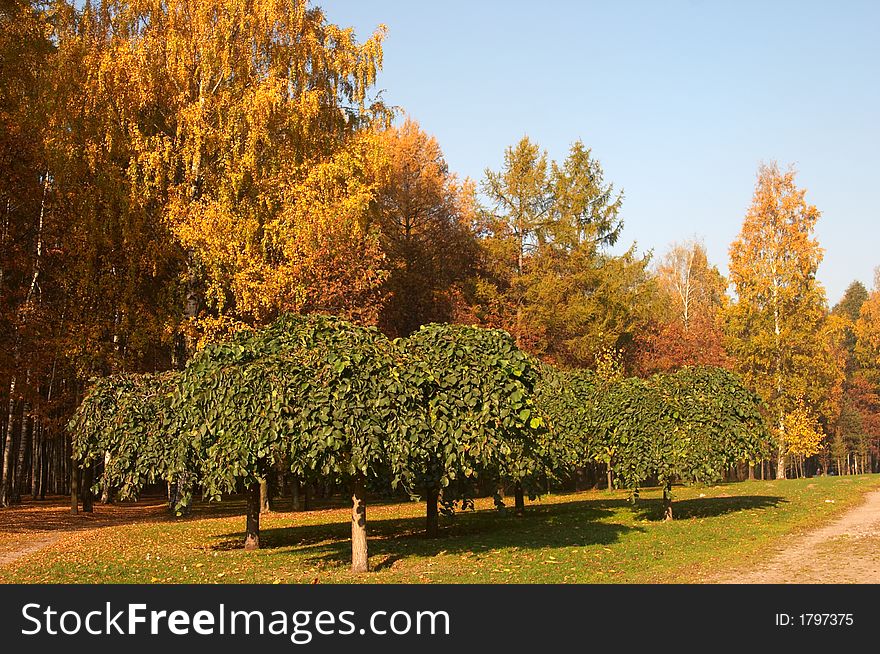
x,y
668,346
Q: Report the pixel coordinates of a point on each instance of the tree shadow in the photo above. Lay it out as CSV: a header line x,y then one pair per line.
x,y
568,524
53,514
706,507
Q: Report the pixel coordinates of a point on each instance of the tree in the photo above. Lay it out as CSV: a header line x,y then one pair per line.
x,y
687,330
424,216
567,401
802,432
473,415
693,289
40,364
124,422
172,173
546,277
851,303
774,326
581,303
859,432
689,425
247,132
867,337
316,393
521,212
714,422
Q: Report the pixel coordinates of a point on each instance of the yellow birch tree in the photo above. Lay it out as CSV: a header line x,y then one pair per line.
x,y
774,326
248,131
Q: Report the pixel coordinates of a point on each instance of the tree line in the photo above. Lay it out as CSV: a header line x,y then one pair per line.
x,y
175,172
432,416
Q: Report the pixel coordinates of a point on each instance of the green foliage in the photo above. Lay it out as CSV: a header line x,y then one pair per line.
x,y
716,422
471,410
315,392
448,405
629,419
690,425
127,418
567,399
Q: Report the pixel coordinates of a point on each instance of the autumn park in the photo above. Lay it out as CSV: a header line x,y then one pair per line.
x,y
255,329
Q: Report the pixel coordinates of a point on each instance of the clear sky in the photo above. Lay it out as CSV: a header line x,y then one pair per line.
x,y
680,102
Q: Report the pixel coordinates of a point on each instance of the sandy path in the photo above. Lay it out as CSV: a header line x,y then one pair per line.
x,y
33,525
26,548
844,551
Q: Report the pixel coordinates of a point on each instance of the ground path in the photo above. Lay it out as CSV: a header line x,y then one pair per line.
x,y
846,550
33,525
33,544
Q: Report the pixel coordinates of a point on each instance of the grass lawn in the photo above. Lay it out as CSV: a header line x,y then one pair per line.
x,y
589,537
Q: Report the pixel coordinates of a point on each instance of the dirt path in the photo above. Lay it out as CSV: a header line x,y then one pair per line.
x,y
33,545
844,551
29,527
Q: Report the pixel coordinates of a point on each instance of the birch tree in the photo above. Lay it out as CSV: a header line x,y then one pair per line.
x,y
774,327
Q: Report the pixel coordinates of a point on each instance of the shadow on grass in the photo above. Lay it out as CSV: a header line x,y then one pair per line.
x,y
569,524
555,525
706,507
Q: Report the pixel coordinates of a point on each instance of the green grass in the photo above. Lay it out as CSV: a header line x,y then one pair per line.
x,y
589,537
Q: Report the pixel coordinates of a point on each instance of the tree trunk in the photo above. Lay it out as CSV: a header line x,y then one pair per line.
x,y
6,486
610,478
295,494
36,459
780,464
106,491
359,561
74,490
306,489
252,531
432,527
519,502
751,471
24,433
46,461
264,495
667,501
88,478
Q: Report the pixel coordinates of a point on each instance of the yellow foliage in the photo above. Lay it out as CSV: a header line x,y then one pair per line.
x,y
801,433
246,130
867,332
609,365
777,327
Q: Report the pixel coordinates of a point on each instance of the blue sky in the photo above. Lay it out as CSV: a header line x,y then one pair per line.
x,y
680,101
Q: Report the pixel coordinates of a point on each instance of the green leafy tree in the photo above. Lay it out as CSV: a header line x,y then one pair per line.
x,y
715,422
689,426
473,414
567,400
124,421
316,392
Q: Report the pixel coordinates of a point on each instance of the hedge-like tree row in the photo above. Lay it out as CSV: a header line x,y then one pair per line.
x,y
430,414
